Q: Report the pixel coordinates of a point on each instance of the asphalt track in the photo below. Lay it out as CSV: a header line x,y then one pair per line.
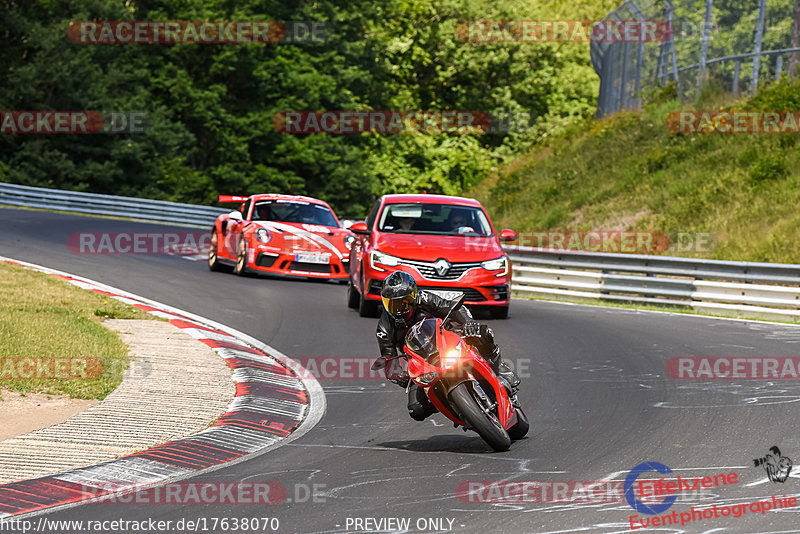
x,y
594,387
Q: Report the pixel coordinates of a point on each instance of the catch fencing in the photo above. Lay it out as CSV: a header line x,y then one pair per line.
x,y
707,43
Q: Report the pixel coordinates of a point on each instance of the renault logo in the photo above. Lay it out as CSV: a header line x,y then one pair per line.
x,y
441,266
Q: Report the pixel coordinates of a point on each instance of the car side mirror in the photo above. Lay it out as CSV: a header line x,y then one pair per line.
x,y
235,215
508,235
359,228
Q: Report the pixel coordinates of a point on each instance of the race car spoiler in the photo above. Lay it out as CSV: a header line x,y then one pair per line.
x,y
226,199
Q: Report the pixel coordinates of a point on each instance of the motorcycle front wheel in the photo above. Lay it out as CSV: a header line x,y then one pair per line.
x,y
486,425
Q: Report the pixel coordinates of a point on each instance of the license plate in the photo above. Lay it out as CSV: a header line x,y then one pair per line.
x,y
447,295
312,258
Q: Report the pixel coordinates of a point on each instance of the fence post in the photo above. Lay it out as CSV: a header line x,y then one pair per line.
x,y
778,67
762,7
736,71
701,72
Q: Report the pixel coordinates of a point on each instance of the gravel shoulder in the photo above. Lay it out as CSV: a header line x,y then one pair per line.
x,y
176,386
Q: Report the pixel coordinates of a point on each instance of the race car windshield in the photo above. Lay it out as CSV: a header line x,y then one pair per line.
x,y
293,212
421,338
434,219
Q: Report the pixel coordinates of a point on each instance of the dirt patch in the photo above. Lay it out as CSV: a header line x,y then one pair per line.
x,y
21,415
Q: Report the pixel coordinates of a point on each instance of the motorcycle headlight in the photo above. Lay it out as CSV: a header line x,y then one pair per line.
x,y
377,257
496,265
451,357
348,241
263,235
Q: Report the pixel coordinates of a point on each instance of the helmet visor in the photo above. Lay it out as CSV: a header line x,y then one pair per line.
x,y
400,305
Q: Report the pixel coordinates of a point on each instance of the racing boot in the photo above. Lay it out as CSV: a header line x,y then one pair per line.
x,y
419,406
504,371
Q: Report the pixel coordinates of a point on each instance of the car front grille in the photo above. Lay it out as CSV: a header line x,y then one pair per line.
x,y
470,294
263,260
310,267
427,269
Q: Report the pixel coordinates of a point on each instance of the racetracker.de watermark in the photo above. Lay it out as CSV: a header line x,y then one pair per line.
x,y
358,368
621,241
73,122
727,368
402,122
206,493
734,122
49,367
579,31
541,491
199,32
175,243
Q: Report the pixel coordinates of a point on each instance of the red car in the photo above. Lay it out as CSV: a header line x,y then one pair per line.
x,y
282,235
448,245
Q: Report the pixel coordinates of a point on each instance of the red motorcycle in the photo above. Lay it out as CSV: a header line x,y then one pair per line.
x,y
462,385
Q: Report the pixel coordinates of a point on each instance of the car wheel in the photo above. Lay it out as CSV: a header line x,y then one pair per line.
x,y
352,296
213,259
499,313
241,258
366,308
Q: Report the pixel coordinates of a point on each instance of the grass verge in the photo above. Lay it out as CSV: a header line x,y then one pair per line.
x,y
44,320
630,172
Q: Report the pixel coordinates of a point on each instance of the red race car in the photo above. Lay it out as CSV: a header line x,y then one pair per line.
x,y
446,243
282,235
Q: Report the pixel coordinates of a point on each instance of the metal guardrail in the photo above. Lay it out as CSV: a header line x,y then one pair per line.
x,y
768,289
143,209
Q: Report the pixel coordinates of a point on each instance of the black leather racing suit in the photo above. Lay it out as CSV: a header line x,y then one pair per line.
x,y
391,334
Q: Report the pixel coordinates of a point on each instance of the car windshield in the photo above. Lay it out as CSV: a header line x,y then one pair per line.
x,y
421,338
293,211
436,219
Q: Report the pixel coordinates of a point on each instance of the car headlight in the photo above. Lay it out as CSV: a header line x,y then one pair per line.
x,y
496,265
348,241
384,259
263,235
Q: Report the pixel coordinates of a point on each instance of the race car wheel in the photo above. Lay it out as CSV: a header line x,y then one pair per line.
x,y
352,296
213,259
366,308
499,313
241,258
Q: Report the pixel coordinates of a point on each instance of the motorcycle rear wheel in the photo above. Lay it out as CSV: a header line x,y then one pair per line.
x,y
487,427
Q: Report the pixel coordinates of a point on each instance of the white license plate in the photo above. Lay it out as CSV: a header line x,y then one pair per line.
x,y
447,295
312,258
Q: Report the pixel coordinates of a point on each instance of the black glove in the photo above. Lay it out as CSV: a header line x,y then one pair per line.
x,y
471,329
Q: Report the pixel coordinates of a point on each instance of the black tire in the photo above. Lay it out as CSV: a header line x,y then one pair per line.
x,y
487,427
366,308
499,313
352,296
213,258
241,258
520,430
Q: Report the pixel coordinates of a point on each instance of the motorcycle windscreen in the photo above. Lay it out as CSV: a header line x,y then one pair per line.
x,y
421,338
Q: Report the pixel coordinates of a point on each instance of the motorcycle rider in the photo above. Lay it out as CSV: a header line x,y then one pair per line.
x,y
404,304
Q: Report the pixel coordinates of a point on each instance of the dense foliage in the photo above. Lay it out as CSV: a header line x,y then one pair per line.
x,y
211,106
